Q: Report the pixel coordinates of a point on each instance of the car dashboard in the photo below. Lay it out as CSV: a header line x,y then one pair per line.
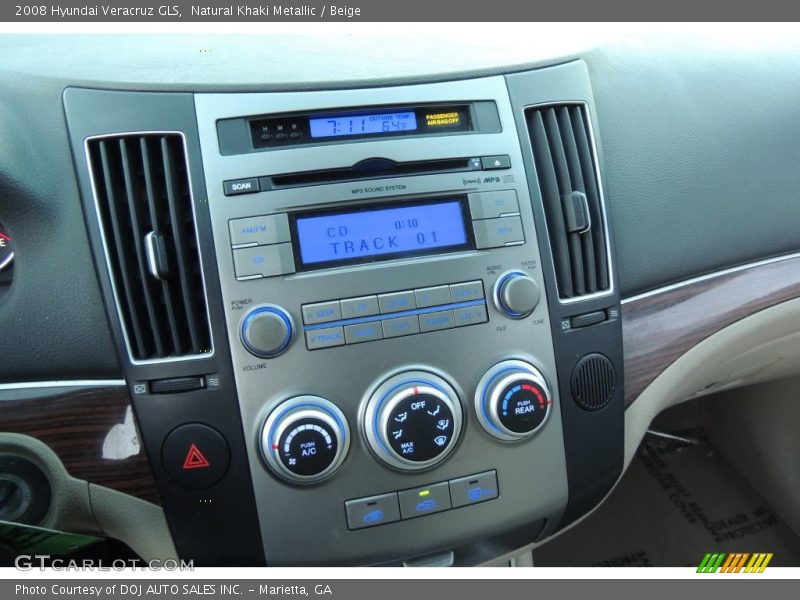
x,y
422,318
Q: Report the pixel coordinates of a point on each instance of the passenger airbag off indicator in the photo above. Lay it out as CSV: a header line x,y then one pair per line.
x,y
195,455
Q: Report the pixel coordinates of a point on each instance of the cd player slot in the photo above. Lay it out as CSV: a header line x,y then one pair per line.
x,y
374,168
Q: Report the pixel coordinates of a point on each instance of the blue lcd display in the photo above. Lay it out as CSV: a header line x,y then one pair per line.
x,y
359,236
333,126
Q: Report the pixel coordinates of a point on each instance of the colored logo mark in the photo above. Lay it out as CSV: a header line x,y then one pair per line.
x,y
736,562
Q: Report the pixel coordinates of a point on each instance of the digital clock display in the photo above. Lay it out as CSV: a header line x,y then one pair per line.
x,y
376,233
365,124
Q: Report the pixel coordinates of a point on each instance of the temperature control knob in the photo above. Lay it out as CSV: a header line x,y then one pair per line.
x,y
512,400
413,420
305,439
516,294
266,331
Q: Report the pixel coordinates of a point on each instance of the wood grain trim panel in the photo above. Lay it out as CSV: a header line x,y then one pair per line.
x,y
660,327
93,432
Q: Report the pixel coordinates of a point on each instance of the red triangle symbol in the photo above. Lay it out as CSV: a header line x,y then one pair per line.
x,y
195,459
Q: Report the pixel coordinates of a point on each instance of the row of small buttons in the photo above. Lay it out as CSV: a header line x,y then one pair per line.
x,y
417,502
495,219
356,333
366,306
261,246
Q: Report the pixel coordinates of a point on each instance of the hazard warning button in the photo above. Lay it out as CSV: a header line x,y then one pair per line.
x,y
195,455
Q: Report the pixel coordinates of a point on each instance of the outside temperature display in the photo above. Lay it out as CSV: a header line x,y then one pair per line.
x,y
362,124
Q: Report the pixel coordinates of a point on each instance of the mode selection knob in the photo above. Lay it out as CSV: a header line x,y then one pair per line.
x,y
413,420
516,294
512,400
266,331
305,439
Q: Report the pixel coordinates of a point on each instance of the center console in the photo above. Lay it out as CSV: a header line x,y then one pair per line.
x,y
404,357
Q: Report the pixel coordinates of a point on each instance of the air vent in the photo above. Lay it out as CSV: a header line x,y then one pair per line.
x,y
565,169
593,382
141,185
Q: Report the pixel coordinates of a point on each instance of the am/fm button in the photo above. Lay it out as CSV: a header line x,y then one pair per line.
x,y
262,230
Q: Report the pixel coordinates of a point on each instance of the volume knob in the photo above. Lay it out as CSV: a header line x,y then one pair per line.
x,y
516,294
266,331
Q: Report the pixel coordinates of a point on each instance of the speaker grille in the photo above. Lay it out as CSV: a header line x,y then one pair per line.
x,y
593,381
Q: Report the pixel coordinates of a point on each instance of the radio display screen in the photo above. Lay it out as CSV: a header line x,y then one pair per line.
x,y
335,126
381,232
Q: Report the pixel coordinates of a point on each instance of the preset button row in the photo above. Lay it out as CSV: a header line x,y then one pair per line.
x,y
339,335
393,302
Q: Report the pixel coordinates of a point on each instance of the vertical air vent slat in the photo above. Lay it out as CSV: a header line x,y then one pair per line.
x,y
565,187
112,192
592,194
545,170
154,188
144,203
137,216
565,171
181,248
574,166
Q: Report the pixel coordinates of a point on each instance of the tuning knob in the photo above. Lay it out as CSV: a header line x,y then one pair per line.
x,y
305,439
413,420
266,331
516,294
512,400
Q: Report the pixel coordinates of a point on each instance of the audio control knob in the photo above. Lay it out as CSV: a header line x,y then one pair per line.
x,y
305,439
516,294
266,331
413,420
512,400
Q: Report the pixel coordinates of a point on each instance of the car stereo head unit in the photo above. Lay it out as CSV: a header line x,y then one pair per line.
x,y
386,312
